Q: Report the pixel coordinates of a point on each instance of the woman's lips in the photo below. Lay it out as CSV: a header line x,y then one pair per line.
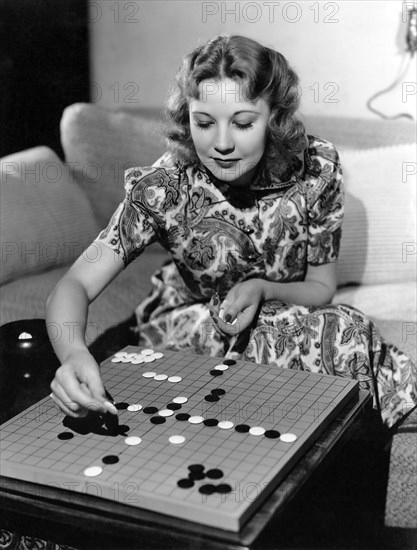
x,y
225,163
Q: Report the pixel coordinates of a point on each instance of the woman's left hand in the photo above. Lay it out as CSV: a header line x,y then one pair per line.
x,y
239,307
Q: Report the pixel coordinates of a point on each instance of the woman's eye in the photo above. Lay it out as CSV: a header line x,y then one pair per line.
x,y
203,125
244,126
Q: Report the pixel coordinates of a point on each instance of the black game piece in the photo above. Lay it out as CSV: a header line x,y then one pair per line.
x,y
272,434
182,417
229,362
223,488
173,406
211,398
242,428
158,420
211,422
110,459
185,483
150,410
196,475
207,489
215,372
64,436
218,391
214,473
196,468
121,406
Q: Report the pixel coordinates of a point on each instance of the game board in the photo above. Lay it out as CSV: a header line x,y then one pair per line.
x,y
239,429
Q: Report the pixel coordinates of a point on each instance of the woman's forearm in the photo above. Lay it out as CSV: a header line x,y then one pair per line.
x,y
66,317
304,293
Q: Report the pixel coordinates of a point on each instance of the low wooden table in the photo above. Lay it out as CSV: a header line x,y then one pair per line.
x,y
59,514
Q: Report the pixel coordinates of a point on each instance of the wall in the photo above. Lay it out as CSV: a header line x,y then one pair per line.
x,y
344,51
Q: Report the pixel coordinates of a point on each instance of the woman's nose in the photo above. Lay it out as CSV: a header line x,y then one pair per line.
x,y
223,142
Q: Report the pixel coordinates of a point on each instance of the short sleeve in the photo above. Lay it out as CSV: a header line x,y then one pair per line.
x,y
136,223
325,203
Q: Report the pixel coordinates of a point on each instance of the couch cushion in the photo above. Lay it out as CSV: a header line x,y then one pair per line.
x,y
101,144
26,297
385,301
379,228
46,220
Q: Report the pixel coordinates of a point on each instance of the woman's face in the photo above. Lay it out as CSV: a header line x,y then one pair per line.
x,y
228,131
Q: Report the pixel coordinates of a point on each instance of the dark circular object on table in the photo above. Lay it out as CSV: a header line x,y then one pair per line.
x,y
121,406
229,362
196,476
150,410
173,406
223,488
210,422
64,436
26,357
211,398
215,372
110,459
242,428
185,483
214,473
196,468
207,489
218,391
158,420
182,417
272,434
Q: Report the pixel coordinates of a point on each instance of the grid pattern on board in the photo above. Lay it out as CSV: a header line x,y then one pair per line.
x,y
146,475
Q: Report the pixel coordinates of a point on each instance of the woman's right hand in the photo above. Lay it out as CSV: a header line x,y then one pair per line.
x,y
77,386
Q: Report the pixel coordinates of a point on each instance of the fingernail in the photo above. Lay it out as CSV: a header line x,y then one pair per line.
x,y
228,318
221,313
111,408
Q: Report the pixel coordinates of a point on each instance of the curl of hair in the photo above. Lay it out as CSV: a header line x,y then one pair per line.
x,y
263,73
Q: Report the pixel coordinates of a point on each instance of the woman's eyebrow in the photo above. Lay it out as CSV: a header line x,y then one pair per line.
x,y
234,114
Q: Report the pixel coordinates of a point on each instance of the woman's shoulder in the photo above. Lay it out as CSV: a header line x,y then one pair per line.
x,y
164,171
320,154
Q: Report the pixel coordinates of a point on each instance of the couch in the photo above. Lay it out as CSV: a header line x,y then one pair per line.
x,y
52,208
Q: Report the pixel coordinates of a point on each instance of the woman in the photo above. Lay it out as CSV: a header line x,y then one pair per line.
x,y
250,209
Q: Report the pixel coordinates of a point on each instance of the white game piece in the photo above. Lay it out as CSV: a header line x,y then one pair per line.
x,y
176,439
133,440
149,374
117,359
196,419
24,336
135,407
174,379
180,400
225,425
165,412
158,355
160,377
221,367
257,430
149,358
131,355
126,359
93,471
138,360
288,438
120,354
147,352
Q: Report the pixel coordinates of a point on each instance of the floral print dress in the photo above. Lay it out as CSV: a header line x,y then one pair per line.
x,y
218,236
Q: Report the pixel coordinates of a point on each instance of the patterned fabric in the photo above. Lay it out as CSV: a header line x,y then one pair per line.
x,y
15,541
218,236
